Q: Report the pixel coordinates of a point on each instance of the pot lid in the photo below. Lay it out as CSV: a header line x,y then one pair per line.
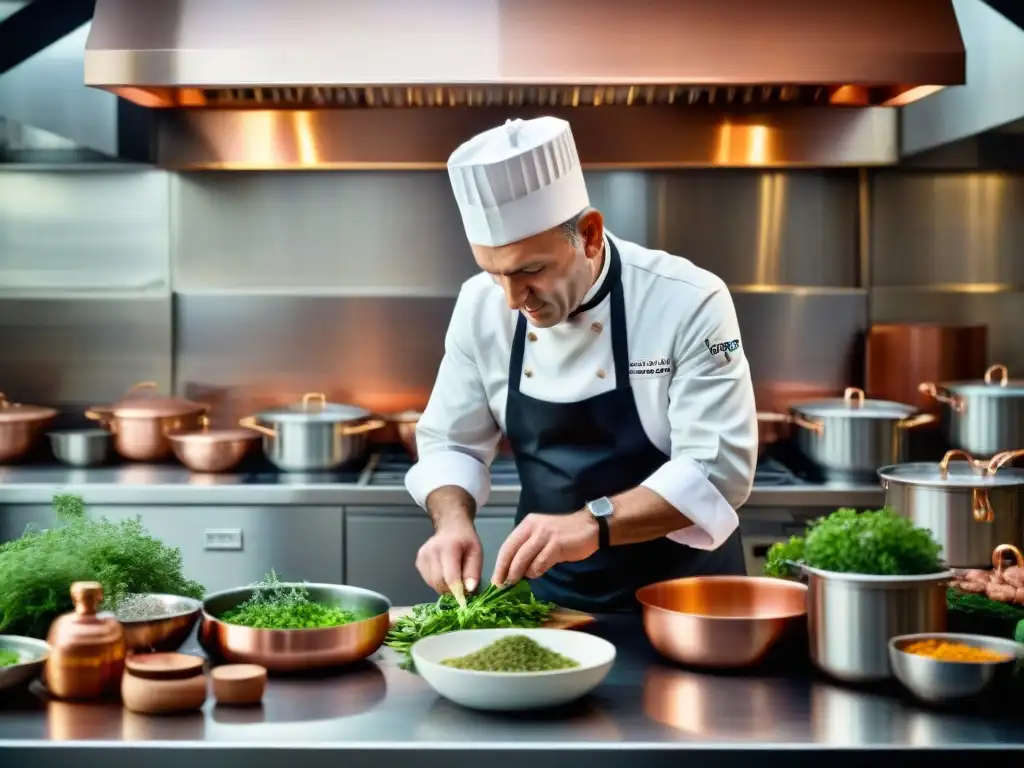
x,y
137,402
11,412
959,474
996,383
853,404
314,408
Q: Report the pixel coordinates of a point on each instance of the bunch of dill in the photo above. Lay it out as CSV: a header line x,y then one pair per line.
x,y
37,570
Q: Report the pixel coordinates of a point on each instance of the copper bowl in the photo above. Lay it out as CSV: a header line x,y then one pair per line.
x,y
292,650
213,450
163,633
720,621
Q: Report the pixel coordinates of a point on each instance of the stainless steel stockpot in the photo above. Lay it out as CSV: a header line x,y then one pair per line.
x,y
970,507
314,435
856,435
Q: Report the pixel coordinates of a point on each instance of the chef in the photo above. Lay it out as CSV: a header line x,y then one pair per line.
x,y
616,372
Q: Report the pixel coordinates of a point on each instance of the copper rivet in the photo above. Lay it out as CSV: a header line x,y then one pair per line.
x,y
528,373
600,374
596,327
531,336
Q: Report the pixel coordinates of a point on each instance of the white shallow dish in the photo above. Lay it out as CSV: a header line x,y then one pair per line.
x,y
506,691
32,655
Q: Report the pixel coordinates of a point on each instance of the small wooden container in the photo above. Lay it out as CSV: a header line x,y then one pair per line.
x,y
87,649
239,684
163,683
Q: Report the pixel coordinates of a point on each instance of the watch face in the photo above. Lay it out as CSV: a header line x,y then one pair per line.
x,y
601,507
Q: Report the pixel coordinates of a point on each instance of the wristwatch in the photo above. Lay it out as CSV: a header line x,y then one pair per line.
x,y
601,509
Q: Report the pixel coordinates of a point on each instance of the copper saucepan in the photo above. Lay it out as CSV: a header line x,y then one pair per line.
x,y
141,423
720,621
21,426
213,450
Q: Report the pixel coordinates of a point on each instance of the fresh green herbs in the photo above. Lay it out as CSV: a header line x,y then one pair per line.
x,y
274,605
8,658
880,543
514,607
1018,634
37,570
515,653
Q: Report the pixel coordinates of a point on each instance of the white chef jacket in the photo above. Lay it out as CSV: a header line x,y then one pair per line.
x,y
690,380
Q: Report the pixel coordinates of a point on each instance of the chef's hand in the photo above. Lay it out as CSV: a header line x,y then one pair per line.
x,y
452,556
541,541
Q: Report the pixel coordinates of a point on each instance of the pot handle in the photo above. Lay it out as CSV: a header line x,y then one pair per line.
x,y
931,390
103,417
358,429
916,421
981,507
854,396
950,455
249,422
319,397
1002,549
141,385
1000,459
1004,374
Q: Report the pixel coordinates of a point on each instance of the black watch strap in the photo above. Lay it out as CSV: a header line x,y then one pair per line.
x,y
603,538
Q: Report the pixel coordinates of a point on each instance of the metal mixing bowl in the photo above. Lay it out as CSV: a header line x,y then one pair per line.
x,y
33,654
81,447
289,650
164,633
937,681
720,621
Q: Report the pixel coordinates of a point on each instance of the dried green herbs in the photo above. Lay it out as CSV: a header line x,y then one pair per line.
x,y
515,653
278,606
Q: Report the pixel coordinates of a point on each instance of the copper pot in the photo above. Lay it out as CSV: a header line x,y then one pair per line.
x,y
142,424
213,450
21,426
774,400
405,425
720,621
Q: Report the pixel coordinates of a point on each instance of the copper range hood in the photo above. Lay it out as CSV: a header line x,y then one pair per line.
x,y
646,83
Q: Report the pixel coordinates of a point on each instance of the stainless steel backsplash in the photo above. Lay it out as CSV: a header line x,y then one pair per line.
x,y
248,288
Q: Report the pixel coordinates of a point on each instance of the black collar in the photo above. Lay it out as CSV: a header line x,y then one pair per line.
x,y
614,273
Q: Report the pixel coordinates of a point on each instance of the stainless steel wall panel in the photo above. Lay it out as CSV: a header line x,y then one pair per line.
x,y
399,233
84,233
76,353
940,229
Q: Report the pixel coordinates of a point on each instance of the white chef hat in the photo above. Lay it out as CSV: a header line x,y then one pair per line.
x,y
517,180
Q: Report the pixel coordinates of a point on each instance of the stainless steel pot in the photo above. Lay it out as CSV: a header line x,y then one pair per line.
x,y
982,417
970,507
851,618
857,435
314,435
81,447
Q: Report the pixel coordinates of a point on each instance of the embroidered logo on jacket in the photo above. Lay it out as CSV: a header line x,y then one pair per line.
x,y
650,367
722,347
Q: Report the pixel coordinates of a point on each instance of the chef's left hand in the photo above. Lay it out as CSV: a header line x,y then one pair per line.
x,y
541,541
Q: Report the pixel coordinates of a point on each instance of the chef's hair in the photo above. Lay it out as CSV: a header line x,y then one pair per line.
x,y
570,228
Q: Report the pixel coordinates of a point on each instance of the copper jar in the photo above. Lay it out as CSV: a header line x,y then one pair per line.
x,y
21,427
142,423
87,650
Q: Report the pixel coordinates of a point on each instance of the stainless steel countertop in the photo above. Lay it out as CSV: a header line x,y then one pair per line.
x,y
646,706
142,484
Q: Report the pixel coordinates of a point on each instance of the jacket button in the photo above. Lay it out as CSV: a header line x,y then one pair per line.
x,y
600,374
531,336
596,327
528,373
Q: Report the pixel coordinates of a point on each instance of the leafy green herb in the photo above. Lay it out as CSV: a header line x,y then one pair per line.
x,y
8,658
515,607
275,605
38,569
1018,633
516,653
982,606
880,543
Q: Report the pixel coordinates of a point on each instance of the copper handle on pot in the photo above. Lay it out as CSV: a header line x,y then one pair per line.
x,y
320,397
249,422
1004,374
813,426
953,401
950,455
916,421
358,429
1000,459
141,385
981,507
997,556
854,394
104,419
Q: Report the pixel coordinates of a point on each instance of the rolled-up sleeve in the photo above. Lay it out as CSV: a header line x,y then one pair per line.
x,y
456,436
713,425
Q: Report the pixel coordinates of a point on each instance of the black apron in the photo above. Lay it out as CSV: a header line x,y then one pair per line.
x,y
568,454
